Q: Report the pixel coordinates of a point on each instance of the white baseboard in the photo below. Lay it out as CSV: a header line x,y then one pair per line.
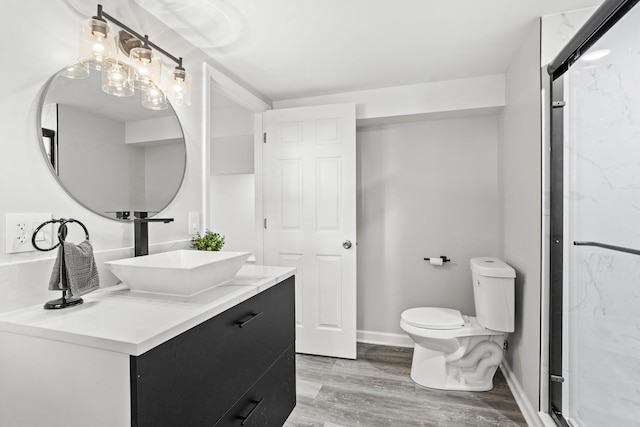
x,y
531,414
384,338
547,421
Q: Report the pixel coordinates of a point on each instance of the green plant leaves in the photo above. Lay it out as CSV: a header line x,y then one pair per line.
x,y
210,241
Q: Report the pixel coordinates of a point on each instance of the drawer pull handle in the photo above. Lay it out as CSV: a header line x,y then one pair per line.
x,y
253,316
257,403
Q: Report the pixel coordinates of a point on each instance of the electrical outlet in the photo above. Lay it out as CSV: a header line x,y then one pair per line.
x,y
21,233
194,223
19,229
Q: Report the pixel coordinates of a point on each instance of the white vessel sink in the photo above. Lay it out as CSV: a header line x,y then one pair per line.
x,y
183,272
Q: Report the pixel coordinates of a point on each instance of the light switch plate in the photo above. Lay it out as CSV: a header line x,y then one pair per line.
x,y
194,223
20,227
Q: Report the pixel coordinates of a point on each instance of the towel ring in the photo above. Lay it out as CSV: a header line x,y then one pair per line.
x,y
62,232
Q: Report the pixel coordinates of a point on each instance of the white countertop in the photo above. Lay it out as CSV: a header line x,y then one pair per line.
x,y
120,320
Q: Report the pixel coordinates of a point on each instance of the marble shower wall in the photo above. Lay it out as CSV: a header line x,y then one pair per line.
x,y
603,205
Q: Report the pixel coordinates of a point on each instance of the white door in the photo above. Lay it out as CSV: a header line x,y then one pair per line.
x,y
310,211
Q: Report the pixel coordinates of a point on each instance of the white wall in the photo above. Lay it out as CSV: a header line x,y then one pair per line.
x,y
138,180
233,210
424,189
91,146
416,100
48,30
166,129
91,153
164,167
232,180
232,154
520,187
231,136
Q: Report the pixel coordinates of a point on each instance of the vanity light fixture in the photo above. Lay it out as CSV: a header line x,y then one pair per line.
x,y
140,69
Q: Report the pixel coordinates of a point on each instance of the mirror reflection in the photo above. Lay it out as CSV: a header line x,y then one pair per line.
x,y
109,153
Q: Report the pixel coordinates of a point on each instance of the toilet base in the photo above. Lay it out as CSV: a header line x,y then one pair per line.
x,y
472,372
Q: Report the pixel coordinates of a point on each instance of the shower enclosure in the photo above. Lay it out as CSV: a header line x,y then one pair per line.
x,y
595,223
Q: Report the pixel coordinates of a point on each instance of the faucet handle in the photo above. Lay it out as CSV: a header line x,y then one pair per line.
x,y
142,216
145,220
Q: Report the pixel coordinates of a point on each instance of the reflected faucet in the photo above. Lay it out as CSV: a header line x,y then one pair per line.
x,y
141,232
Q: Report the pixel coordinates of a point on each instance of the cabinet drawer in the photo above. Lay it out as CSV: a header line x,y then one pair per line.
x,y
270,400
194,378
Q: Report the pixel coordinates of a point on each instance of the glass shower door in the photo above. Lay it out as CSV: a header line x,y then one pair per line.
x,y
601,344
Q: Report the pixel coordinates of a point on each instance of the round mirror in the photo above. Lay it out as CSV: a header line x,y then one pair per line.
x,y
111,154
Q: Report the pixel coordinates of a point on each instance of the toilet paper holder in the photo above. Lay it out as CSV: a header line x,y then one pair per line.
x,y
444,259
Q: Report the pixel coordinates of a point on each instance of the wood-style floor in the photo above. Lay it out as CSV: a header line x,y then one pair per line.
x,y
376,390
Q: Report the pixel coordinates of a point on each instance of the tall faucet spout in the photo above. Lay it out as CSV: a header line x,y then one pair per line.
x,y
141,232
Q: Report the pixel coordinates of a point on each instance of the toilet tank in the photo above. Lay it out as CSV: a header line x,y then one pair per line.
x,y
494,293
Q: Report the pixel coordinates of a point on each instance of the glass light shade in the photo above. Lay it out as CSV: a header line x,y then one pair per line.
x,y
75,71
146,65
96,45
179,87
116,80
153,98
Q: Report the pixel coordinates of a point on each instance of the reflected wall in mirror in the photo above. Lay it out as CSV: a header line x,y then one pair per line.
x,y
109,153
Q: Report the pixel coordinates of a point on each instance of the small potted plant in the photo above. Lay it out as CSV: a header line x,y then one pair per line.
x,y
210,241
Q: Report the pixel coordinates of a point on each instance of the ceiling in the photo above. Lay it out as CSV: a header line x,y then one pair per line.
x,y
297,48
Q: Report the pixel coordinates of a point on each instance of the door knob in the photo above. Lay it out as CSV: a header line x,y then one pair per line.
x,y
347,244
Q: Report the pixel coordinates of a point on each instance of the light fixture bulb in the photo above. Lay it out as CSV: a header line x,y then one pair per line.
x,y
97,47
179,88
75,71
146,65
116,81
153,98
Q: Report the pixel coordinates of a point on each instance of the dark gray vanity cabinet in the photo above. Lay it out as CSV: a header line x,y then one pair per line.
x,y
237,368
270,401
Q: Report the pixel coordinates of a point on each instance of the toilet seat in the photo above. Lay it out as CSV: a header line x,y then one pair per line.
x,y
470,328
433,318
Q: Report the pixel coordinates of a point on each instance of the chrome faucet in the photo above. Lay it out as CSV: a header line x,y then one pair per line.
x,y
141,232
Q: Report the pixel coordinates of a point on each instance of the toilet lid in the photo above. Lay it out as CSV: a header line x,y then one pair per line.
x,y
433,318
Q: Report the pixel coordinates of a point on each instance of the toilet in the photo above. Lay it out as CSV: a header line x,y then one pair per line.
x,y
457,352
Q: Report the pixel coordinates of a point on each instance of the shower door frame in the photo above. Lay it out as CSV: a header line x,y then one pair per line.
x,y
556,265
603,19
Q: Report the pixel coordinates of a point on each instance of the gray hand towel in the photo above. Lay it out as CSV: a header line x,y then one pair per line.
x,y
82,273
